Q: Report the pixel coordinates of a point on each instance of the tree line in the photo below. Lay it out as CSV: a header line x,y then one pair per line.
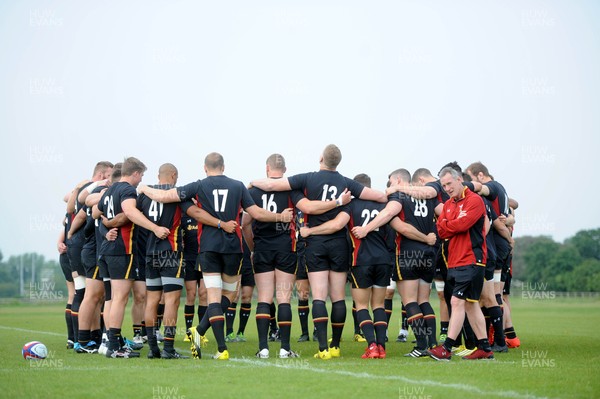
x,y
571,266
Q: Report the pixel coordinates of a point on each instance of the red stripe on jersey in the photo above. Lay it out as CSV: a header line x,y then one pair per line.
x,y
199,232
356,243
292,225
238,232
174,233
127,237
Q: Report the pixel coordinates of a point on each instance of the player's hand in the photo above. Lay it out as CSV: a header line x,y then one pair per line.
x,y
431,239
112,234
140,188
305,231
359,232
62,248
229,226
287,215
161,232
345,197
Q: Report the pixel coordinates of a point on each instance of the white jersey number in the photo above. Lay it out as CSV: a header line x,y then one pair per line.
x,y
268,203
220,193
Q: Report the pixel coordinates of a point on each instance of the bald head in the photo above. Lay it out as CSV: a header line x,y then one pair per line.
x,y
167,174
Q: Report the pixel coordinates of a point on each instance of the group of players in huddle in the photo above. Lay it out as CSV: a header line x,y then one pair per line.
x,y
313,231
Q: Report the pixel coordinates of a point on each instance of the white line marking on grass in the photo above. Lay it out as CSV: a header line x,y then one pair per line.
x,y
461,387
33,331
251,362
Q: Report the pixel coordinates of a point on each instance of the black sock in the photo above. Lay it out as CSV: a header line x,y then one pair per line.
x,y
137,329
417,323
430,324
284,319
217,322
77,299
355,319
303,311
320,320
160,311
470,339
102,325
380,324
510,333
96,336
245,310
188,315
201,311
404,319
144,332
273,319
389,305
69,321
263,315
444,327
230,318
169,338
85,336
483,344
152,341
366,325
449,343
497,321
338,318
113,339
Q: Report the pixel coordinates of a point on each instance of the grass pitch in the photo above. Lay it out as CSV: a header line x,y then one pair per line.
x,y
559,358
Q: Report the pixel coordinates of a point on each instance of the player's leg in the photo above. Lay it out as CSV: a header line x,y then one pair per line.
x,y
265,285
247,283
78,274
361,283
284,285
337,287
120,293
137,309
153,296
444,315
303,292
361,297
89,315
408,290
319,284
230,317
66,269
389,304
428,313
512,341
172,283
191,291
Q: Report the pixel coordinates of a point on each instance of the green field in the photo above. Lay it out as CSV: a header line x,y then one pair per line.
x,y
559,358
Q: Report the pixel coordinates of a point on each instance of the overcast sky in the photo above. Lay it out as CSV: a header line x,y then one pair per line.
x,y
394,84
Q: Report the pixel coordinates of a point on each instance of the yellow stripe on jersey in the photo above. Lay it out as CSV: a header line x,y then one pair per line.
x,y
129,267
180,265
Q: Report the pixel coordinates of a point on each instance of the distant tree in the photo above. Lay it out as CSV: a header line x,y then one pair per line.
x,y
587,243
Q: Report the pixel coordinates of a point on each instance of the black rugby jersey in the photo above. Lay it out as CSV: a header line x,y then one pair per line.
x,y
223,198
110,205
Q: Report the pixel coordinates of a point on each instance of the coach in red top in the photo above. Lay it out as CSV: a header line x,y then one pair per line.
x,y
463,222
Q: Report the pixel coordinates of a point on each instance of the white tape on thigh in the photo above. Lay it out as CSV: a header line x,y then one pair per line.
x,y
497,277
439,285
392,285
79,282
230,286
213,281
